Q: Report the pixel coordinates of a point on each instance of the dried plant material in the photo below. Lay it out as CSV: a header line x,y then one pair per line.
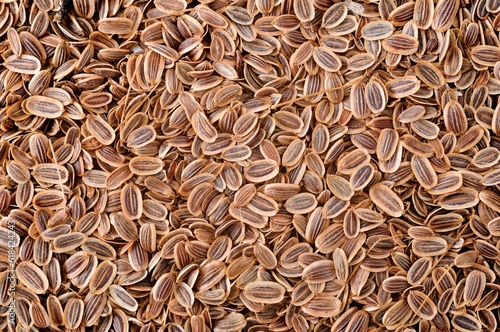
x,y
265,292
24,64
32,277
44,107
250,165
386,200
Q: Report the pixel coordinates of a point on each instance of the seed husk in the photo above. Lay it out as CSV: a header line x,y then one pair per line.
x,y
261,165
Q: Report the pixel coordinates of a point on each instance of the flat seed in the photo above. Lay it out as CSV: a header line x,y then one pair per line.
x,y
424,173
386,200
44,107
377,30
24,64
32,277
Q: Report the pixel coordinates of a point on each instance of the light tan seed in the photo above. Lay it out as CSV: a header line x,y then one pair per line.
x,y
447,183
302,203
24,64
122,298
44,107
402,44
430,247
339,187
261,170
377,30
103,277
387,144
422,305
145,165
131,201
32,277
115,25
100,129
424,173
50,173
386,200
403,86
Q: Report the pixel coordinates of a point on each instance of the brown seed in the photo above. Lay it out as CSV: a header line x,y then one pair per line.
x,y
361,176
32,277
386,200
302,203
50,199
387,144
122,298
73,313
334,15
446,183
475,285
444,14
115,25
24,64
326,59
422,305
465,322
261,170
403,86
485,55
377,30
101,130
103,277
424,173
44,107
430,247
322,306
400,44
429,74
339,187
131,201
50,173
145,165
423,13
318,272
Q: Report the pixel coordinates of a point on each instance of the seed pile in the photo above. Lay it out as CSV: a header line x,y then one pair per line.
x,y
256,165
